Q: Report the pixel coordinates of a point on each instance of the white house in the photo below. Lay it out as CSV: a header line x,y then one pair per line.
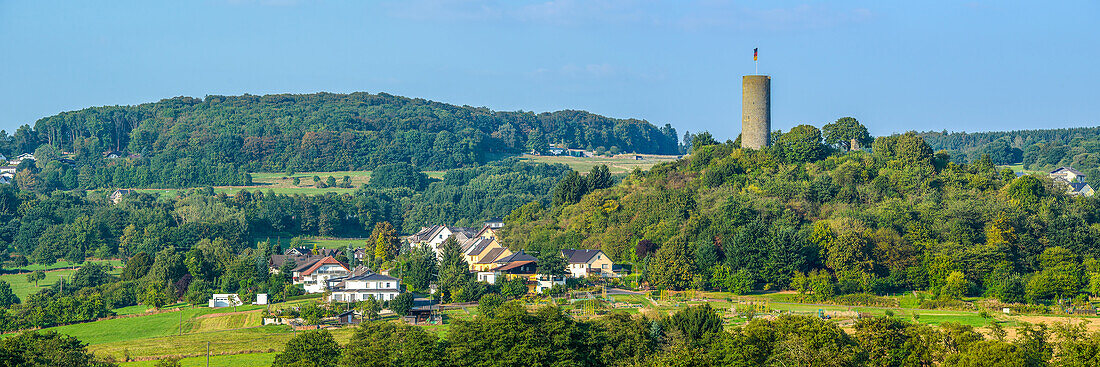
x,y
1068,173
373,285
224,300
7,169
583,263
19,159
435,235
5,178
314,275
261,299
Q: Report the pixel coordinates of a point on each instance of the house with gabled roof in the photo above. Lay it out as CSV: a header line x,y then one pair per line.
x,y
1068,174
1080,189
314,275
482,253
435,235
117,195
583,263
20,158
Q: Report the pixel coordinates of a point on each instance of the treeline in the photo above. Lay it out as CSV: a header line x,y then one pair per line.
x,y
512,336
42,228
1040,150
795,216
187,141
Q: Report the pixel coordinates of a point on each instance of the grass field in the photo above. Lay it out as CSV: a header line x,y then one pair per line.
x,y
22,288
242,360
320,242
60,264
1020,168
281,183
616,165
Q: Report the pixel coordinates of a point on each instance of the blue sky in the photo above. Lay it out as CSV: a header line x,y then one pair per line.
x,y
896,66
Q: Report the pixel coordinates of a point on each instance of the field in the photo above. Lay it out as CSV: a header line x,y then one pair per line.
x,y
282,183
1019,167
254,359
22,288
620,164
321,242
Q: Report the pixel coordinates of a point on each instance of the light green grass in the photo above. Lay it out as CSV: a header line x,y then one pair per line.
x,y
264,339
237,360
585,164
62,264
22,288
1019,167
281,183
132,310
320,242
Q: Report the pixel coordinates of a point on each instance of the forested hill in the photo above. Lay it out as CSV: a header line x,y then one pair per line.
x,y
795,216
1036,149
327,132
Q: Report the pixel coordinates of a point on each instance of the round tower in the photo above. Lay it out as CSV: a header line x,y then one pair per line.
x,y
756,111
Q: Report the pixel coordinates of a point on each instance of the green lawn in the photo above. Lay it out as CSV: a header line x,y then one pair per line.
x,y
281,183
22,288
61,264
585,164
237,360
320,242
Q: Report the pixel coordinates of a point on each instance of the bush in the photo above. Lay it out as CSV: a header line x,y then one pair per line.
x,y
865,299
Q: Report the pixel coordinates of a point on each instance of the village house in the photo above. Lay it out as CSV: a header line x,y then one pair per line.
x,y
519,265
224,300
434,236
5,178
1080,189
1067,174
8,169
20,158
116,197
370,285
583,263
314,276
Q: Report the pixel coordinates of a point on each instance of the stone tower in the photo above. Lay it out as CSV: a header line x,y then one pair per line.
x,y
756,111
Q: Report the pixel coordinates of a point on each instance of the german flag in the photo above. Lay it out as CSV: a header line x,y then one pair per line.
x,y
754,54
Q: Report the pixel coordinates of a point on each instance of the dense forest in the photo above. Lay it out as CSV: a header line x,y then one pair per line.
x,y
183,141
42,228
1040,150
795,216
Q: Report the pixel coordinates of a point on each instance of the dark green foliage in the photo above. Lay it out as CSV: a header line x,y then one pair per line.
x,y
696,323
46,348
309,349
803,144
551,263
398,175
570,189
7,298
401,304
418,268
318,132
387,344
599,178
488,304
454,272
844,131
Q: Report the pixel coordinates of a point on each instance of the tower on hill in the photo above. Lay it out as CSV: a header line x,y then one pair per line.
x,y
756,112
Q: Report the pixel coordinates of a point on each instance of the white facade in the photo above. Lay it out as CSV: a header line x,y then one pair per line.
x,y
487,276
316,281
224,300
359,288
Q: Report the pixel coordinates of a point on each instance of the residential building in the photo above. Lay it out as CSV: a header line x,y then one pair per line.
x,y
1080,189
583,263
314,276
5,178
360,287
494,223
224,300
8,169
434,236
298,251
117,196
519,265
482,253
20,158
1068,174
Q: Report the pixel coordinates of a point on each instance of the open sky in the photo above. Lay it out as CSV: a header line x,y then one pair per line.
x,y
896,66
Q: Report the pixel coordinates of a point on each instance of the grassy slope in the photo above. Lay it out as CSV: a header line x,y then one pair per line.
x,y
242,360
281,183
22,288
616,165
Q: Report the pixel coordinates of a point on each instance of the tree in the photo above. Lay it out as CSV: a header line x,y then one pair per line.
x,y
419,269
802,144
488,304
701,140
297,181
137,266
370,308
398,175
696,322
315,348
36,276
551,263
454,271
846,133
672,267
7,298
401,304
386,243
955,286
46,348
570,189
599,178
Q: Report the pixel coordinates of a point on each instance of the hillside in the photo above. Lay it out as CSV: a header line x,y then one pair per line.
x,y
900,219
1039,150
186,141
